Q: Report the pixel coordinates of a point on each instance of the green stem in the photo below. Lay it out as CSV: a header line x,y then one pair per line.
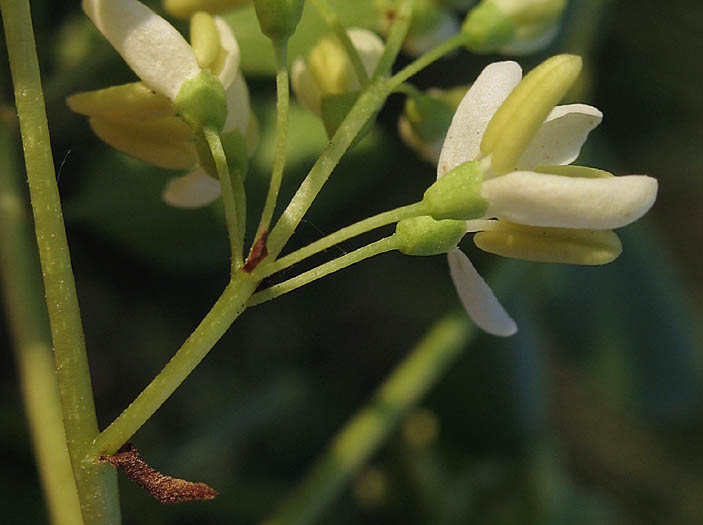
x,y
368,103
223,313
96,483
425,60
371,223
232,214
396,37
282,110
386,244
370,427
20,275
340,32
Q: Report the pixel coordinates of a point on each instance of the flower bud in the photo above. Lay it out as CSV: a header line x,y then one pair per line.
x,y
556,245
512,26
457,194
522,114
426,236
201,102
425,121
278,18
187,8
328,71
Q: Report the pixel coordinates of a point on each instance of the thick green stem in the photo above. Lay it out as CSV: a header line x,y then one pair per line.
x,y
23,293
96,483
232,215
282,110
375,248
371,223
223,313
340,32
370,427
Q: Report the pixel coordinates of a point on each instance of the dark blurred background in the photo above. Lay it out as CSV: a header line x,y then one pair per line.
x,y
591,414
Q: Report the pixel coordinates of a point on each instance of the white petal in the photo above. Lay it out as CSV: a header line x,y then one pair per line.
x,y
193,190
480,225
476,109
560,138
540,199
305,88
152,47
369,46
478,298
229,44
238,108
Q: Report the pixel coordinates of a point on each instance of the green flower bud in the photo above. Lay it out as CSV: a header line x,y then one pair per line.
x,y
201,102
426,236
457,194
487,28
522,114
278,18
429,116
557,245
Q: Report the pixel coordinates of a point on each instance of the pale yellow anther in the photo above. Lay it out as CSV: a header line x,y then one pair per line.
x,y
166,143
574,171
555,245
128,101
204,39
524,111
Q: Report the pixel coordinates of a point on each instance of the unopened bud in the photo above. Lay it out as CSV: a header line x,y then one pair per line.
x,y
426,236
278,18
556,245
457,194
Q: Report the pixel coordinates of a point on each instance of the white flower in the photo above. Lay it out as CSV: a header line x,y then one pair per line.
x,y
143,124
525,196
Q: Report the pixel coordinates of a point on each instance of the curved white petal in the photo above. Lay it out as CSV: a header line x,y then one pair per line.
x,y
152,47
370,48
475,111
193,190
238,107
540,199
305,88
560,138
230,67
478,298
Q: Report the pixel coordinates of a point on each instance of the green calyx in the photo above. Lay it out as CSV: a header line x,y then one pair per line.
x,y
426,236
519,118
278,18
457,194
201,102
429,116
486,28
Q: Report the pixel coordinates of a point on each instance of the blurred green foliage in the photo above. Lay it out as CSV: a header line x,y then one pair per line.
x,y
590,415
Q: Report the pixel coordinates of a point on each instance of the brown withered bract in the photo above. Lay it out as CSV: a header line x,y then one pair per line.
x,y
258,252
164,488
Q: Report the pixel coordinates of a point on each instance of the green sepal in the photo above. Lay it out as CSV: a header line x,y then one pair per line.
x,y
425,236
457,194
201,102
487,28
278,18
430,117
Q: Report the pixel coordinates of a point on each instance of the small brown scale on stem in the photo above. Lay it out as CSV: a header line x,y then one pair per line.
x,y
258,253
164,488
